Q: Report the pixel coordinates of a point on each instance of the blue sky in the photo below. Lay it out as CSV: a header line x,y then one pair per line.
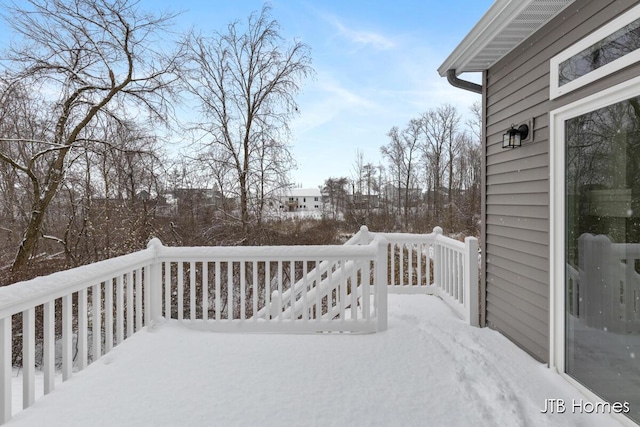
x,y
375,66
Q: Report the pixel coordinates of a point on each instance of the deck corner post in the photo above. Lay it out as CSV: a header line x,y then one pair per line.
x,y
365,238
155,280
381,282
471,298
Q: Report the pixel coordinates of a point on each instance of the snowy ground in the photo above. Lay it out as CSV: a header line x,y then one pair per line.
x,y
428,369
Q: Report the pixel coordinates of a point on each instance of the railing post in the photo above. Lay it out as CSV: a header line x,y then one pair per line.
x,y
437,257
155,281
471,280
365,239
381,281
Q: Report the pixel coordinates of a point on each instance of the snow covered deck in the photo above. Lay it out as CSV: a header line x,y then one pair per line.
x,y
430,368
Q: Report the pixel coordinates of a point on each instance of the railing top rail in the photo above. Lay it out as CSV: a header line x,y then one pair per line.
x,y
448,242
30,293
406,237
261,253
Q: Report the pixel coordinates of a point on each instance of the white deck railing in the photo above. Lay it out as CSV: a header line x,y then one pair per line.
x,y
93,308
90,309
249,289
436,265
605,288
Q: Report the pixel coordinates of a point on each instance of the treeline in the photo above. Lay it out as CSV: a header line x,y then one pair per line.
x,y
430,175
93,92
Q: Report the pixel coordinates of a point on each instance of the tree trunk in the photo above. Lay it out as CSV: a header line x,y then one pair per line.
x,y
38,211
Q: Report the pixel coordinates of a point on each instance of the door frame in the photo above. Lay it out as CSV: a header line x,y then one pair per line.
x,y
557,118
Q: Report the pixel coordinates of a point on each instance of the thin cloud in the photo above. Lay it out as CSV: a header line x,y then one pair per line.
x,y
364,38
358,37
327,99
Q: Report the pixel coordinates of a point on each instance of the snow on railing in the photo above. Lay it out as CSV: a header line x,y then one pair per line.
x,y
416,263
91,308
437,265
249,289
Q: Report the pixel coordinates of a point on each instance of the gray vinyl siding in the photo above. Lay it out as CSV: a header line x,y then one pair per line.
x,y
517,216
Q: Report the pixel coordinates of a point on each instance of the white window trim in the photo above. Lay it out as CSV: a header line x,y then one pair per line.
x,y
557,118
555,90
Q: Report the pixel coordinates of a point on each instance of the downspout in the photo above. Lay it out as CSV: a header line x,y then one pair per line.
x,y
462,84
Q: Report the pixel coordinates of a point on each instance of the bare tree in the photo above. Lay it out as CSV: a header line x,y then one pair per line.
x,y
402,153
439,149
88,58
335,195
245,80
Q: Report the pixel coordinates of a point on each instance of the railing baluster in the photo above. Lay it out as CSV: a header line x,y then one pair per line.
x,y
67,336
167,289
96,332
459,279
243,291
146,294
192,291
292,281
280,290
392,248
450,267
138,280
119,310
267,287
353,279
318,281
28,357
218,294
108,316
254,283
305,291
49,346
205,290
130,304
365,275
331,288
446,271
5,368
401,266
180,290
230,290
82,329
452,274
419,250
410,263
343,290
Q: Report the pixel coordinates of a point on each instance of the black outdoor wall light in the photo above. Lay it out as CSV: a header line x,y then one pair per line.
x,y
513,137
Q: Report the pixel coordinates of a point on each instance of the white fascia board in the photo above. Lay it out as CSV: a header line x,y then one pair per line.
x,y
496,19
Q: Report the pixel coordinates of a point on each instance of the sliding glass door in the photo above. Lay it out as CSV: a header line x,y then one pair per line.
x,y
602,251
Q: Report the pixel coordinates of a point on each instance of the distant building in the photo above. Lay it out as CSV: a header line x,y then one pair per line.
x,y
364,201
301,200
298,203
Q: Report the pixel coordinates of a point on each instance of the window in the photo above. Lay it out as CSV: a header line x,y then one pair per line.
x,y
611,48
315,199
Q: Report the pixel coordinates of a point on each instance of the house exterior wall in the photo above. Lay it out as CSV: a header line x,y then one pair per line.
x,y
516,182
301,200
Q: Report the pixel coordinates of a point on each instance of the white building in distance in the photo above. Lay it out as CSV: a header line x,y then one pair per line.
x,y
301,202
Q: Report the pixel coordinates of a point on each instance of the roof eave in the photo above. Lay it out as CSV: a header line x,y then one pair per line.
x,y
494,21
